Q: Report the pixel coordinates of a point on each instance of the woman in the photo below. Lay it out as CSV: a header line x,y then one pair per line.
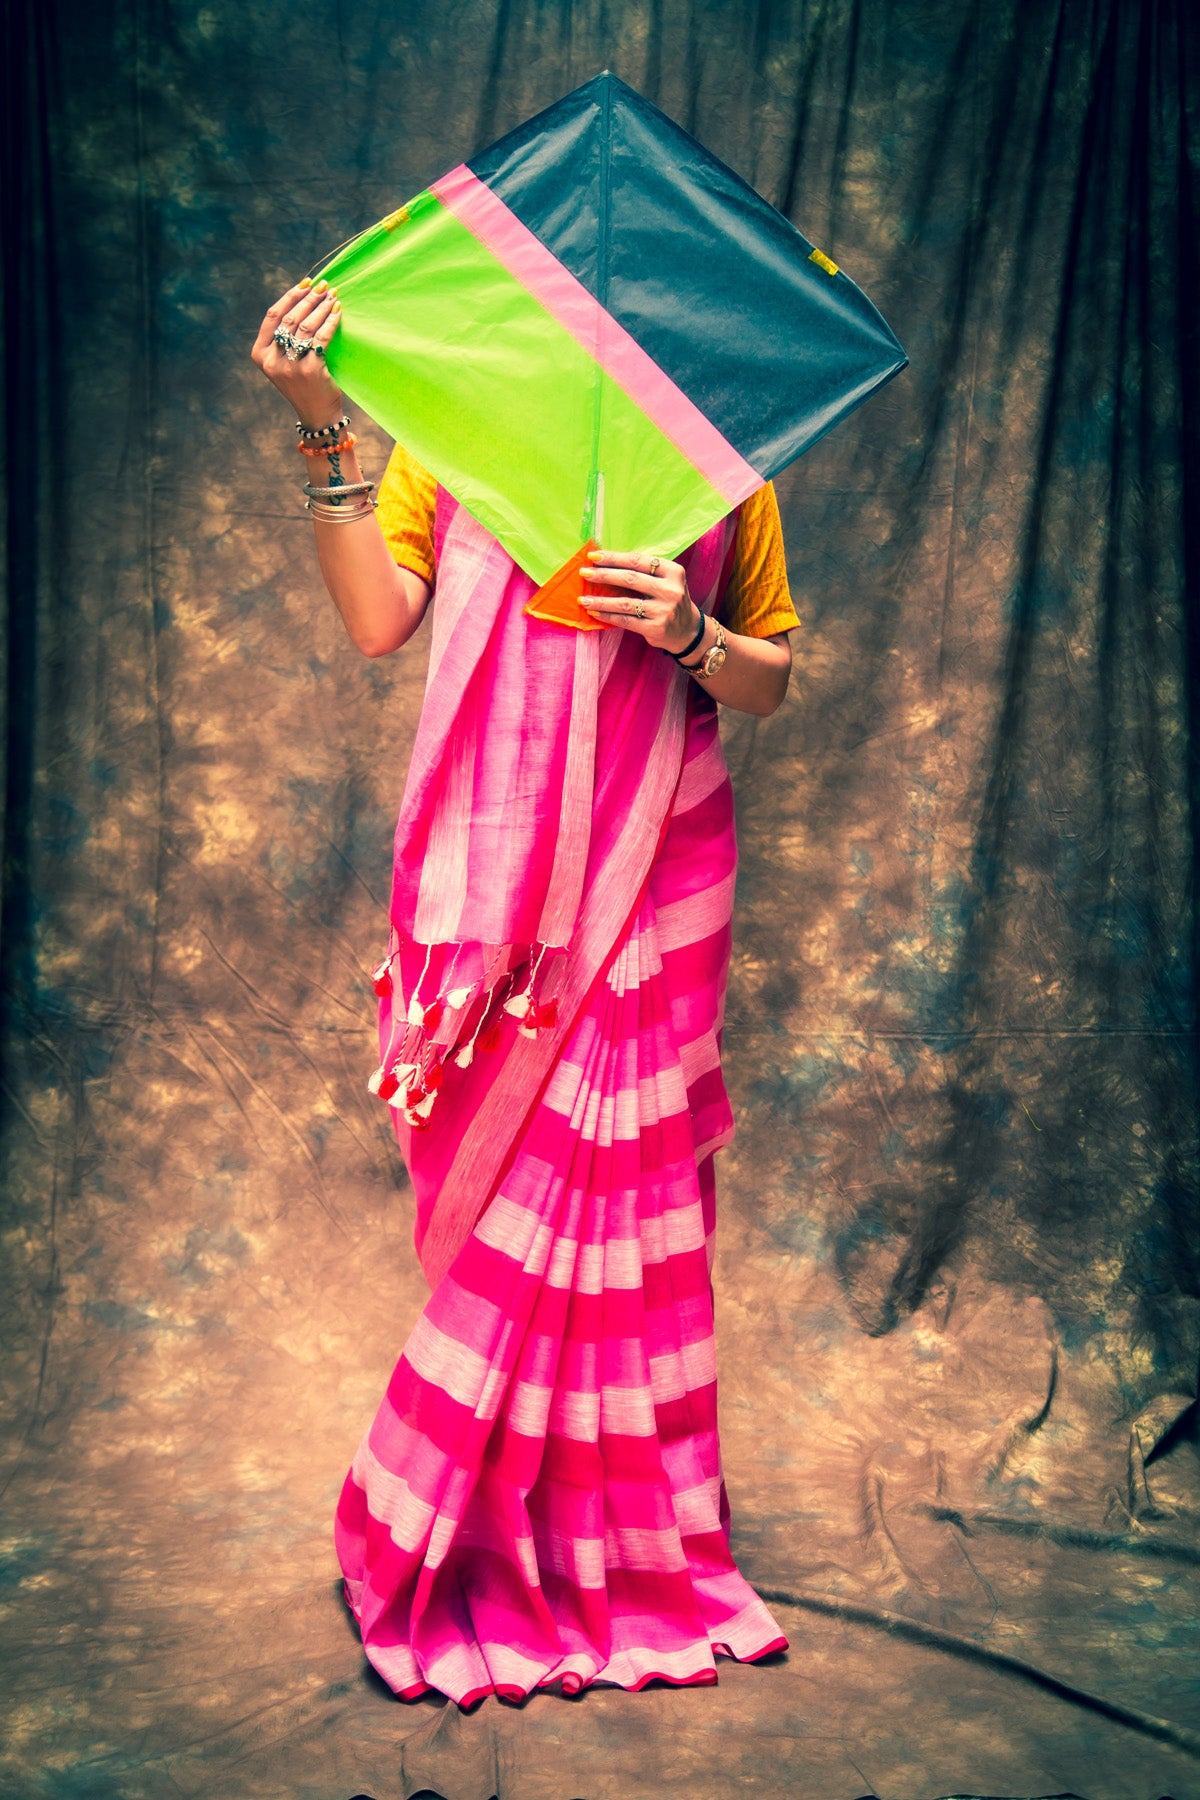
x,y
539,1499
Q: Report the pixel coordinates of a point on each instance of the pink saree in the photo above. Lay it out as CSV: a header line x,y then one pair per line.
x,y
539,1498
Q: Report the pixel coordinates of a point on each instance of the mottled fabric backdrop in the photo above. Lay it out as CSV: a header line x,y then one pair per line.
x,y
957,1279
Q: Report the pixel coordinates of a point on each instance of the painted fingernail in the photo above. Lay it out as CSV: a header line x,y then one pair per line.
x,y
307,282
319,287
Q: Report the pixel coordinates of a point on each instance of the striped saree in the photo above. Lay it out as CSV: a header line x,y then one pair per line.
x,y
539,1498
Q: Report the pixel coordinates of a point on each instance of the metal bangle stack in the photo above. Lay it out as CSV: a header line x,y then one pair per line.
x,y
322,502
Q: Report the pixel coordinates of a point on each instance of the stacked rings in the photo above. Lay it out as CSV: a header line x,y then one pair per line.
x,y
295,347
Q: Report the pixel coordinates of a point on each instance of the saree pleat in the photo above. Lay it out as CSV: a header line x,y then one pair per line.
x,y
540,1496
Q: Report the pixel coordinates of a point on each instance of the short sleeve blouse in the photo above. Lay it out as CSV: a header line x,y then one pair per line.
x,y
758,602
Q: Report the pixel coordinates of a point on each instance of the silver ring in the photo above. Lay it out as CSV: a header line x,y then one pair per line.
x,y
639,611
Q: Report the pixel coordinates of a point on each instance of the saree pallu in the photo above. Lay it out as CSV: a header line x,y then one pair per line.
x,y
540,1497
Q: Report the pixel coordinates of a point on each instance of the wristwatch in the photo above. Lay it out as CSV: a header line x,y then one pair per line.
x,y
712,660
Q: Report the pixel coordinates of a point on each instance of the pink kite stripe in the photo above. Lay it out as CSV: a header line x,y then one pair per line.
x,y
528,261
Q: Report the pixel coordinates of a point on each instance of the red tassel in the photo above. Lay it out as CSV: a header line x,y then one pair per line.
x,y
536,1018
382,983
489,1037
432,1079
388,1086
433,1013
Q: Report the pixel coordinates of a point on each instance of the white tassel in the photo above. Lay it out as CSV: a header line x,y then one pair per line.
x,y
466,1056
404,1073
374,1084
459,996
416,1012
517,1004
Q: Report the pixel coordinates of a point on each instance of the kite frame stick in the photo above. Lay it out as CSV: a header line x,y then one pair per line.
x,y
593,518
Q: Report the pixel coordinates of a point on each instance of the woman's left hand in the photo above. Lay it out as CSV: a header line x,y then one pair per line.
x,y
643,593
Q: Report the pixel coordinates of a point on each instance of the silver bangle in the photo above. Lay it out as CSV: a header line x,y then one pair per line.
x,y
340,515
346,490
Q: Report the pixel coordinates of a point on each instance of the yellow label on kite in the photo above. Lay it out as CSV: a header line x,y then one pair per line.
x,y
823,262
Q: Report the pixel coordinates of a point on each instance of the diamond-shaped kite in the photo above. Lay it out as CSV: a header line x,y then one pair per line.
x,y
596,330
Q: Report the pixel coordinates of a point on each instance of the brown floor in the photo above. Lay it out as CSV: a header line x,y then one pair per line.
x,y
227,1312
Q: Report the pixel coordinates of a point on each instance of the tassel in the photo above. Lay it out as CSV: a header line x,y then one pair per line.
x,y
433,1013
431,1081
466,1056
418,1115
489,1037
402,1074
458,997
416,1012
376,1081
381,980
387,1087
538,1018
517,1004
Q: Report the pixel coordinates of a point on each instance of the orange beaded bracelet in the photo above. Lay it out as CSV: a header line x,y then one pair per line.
x,y
346,443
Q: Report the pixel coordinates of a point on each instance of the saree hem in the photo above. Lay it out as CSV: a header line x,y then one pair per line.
x,y
630,1670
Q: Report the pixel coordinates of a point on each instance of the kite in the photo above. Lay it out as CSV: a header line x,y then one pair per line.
x,y
596,331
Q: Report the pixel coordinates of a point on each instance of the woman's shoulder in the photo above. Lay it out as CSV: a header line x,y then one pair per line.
x,y
407,508
758,600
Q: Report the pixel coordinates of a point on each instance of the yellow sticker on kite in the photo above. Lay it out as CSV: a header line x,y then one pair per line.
x,y
823,262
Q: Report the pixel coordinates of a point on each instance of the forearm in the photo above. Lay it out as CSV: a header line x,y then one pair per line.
x,y
380,604
754,675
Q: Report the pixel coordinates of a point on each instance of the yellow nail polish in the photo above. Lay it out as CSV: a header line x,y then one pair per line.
x,y
319,286
307,282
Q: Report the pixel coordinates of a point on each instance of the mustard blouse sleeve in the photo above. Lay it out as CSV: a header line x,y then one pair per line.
x,y
407,502
758,601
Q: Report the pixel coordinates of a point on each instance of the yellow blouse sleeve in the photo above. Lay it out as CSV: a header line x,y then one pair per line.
x,y
758,601
407,502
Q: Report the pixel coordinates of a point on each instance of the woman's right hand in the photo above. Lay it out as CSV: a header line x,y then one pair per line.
x,y
312,312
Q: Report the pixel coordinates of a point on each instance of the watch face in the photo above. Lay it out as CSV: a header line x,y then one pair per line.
x,y
714,660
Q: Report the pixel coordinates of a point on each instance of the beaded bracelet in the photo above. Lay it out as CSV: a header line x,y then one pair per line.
x,y
346,443
308,436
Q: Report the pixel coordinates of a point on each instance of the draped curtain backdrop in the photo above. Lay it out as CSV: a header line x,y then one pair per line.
x,y
958,1313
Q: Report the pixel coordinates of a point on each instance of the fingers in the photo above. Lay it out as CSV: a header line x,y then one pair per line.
x,y
624,576
644,562
307,310
329,324
315,318
275,313
301,310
